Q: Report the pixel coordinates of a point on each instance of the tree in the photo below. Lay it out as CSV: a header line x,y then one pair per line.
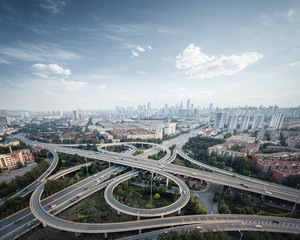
x,y
156,196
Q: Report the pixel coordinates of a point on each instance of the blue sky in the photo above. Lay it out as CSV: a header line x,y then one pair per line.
x,y
68,55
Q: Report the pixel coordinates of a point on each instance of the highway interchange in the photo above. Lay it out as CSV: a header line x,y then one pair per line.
x,y
41,212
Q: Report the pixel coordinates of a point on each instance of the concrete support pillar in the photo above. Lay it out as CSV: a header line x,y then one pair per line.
x,y
44,224
179,211
108,164
167,182
140,231
105,234
138,217
162,216
77,235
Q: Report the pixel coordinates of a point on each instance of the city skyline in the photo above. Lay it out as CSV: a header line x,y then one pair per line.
x,y
70,55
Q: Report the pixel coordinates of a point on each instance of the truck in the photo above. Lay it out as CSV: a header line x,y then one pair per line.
x,y
75,198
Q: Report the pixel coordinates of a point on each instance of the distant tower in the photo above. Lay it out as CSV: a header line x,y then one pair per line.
x,y
233,120
188,104
220,120
181,106
245,122
276,121
210,108
257,121
75,115
148,107
3,113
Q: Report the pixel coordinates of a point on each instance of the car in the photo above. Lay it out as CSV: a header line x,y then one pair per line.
x,y
17,221
194,174
198,227
275,221
97,180
184,192
30,224
257,226
245,186
51,205
267,192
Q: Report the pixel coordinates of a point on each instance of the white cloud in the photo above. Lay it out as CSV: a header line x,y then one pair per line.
x,y
295,64
199,65
52,94
72,86
289,14
34,52
140,49
53,6
135,53
149,47
142,73
101,87
43,70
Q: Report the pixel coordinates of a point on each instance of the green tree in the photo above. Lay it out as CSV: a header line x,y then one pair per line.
x,y
156,196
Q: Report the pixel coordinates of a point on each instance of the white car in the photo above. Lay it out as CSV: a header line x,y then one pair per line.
x,y
257,226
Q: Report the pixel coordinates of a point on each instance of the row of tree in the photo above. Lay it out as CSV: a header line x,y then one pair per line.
x,y
21,181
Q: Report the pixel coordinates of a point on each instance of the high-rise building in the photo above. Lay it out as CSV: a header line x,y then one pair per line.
x,y
233,121
3,113
4,121
75,115
220,120
210,108
245,122
257,121
188,104
276,121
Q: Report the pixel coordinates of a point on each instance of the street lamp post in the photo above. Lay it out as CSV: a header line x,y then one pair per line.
x,y
296,201
241,234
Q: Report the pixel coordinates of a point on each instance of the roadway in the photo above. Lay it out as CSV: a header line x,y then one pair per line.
x,y
176,206
9,229
253,185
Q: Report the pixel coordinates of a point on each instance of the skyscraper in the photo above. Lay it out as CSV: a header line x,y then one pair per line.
x,y
276,121
257,121
75,115
210,108
188,104
220,120
233,121
245,122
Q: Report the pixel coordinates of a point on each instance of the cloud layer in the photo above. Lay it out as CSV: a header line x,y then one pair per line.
x,y
44,71
200,65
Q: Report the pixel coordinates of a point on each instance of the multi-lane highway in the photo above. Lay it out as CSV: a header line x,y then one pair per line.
x,y
16,224
256,186
274,190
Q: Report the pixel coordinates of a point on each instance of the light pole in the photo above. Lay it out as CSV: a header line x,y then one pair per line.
x,y
241,234
296,201
151,187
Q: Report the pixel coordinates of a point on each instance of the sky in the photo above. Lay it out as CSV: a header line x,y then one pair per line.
x,y
73,54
